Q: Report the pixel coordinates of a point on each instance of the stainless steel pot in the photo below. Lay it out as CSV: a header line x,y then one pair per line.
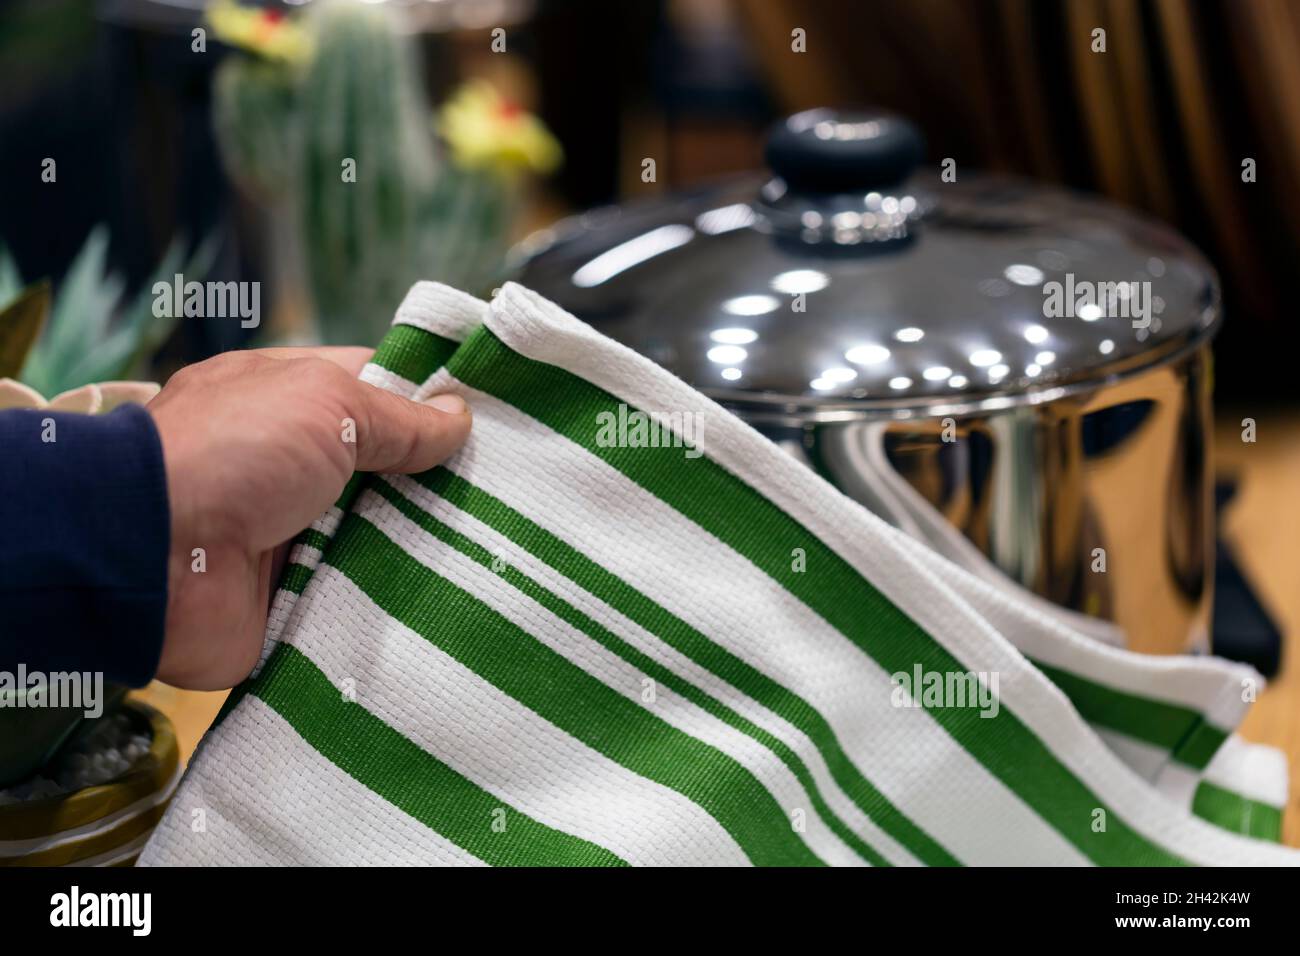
x,y
1015,374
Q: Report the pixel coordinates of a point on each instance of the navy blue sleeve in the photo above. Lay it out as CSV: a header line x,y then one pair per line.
x,y
84,537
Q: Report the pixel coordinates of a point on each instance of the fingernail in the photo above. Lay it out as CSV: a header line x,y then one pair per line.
x,y
450,403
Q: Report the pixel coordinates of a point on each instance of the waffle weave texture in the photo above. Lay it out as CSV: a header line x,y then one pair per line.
x,y
620,627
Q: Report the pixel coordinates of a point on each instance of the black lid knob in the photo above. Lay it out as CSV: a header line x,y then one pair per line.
x,y
832,151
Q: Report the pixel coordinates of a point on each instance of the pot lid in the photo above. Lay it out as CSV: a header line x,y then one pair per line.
x,y
852,277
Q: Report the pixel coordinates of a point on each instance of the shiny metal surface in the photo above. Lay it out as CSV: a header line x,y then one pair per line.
x,y
905,337
1099,501
965,293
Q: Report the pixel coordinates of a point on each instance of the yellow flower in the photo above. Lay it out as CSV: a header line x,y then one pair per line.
x,y
266,32
483,129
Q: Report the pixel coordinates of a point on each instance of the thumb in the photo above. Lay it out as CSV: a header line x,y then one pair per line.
x,y
395,434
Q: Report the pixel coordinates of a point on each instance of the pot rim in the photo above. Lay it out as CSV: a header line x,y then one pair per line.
x,y
770,408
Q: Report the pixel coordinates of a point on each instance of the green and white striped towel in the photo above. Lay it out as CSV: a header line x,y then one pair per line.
x,y
562,649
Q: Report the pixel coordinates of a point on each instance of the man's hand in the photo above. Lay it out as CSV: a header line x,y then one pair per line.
x,y
255,449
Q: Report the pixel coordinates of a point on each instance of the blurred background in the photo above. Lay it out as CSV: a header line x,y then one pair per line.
x,y
160,143
206,153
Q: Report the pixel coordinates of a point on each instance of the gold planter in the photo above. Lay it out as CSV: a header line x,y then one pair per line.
x,y
104,825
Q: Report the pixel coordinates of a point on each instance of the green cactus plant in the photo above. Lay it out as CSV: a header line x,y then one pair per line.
x,y
470,256
363,108
322,119
254,109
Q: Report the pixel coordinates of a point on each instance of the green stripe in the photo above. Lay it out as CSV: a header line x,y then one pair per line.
x,y
409,777
1180,730
412,353
643,662
294,578
1200,745
745,521
350,490
312,539
675,632
516,663
1239,814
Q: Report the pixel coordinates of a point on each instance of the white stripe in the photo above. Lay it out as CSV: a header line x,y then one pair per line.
x,y
283,601
305,554
498,743
665,655
268,798
328,523
282,604
1147,759
609,669
1254,771
442,310
381,377
1178,782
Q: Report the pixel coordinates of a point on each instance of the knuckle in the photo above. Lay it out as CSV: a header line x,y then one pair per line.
x,y
218,366
409,448
322,374
181,376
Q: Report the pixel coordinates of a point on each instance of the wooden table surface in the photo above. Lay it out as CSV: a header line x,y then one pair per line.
x,y
1262,524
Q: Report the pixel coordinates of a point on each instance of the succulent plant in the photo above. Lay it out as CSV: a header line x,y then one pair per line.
x,y
97,398
22,316
86,333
